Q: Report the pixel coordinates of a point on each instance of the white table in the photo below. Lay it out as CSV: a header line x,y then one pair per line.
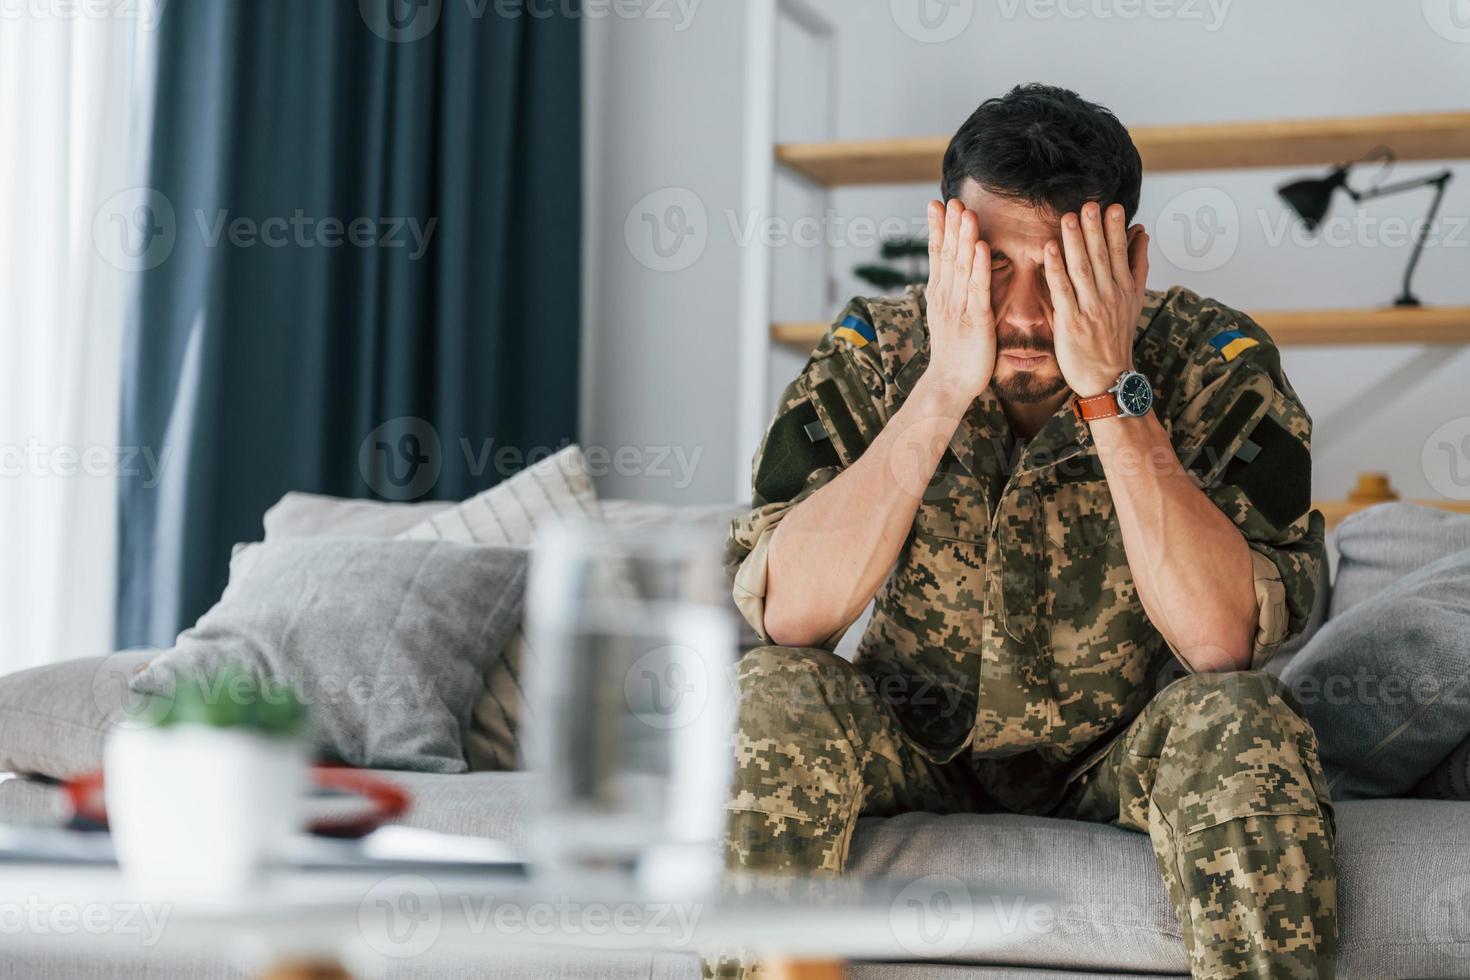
x,y
336,924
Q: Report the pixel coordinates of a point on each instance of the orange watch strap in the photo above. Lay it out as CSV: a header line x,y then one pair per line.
x,y
1103,406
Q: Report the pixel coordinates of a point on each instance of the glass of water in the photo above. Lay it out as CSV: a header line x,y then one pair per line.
x,y
630,690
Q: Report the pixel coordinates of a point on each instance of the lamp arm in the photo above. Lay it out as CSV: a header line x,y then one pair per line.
x,y
1403,185
1407,298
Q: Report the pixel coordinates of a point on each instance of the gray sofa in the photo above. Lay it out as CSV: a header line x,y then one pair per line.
x,y
1404,894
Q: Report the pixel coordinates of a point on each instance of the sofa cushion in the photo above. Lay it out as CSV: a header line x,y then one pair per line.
x,y
498,805
1386,684
505,514
1403,867
509,511
555,490
385,641
54,718
310,515
1380,545
1111,910
32,802
641,514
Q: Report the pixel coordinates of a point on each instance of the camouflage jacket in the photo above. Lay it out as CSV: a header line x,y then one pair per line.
x,y
1011,603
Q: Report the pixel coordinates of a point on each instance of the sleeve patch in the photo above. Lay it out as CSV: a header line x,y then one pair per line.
x,y
856,332
1277,476
1230,343
790,455
1210,457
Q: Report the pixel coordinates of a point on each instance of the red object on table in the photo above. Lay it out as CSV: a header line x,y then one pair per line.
x,y
389,801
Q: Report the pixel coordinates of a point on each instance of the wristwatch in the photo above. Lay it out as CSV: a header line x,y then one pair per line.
x,y
1131,397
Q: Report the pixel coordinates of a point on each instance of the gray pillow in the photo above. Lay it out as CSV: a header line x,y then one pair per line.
x,y
1386,684
386,641
310,515
1380,545
54,719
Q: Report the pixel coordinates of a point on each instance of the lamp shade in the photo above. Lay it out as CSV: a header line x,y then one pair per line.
x,y
1311,198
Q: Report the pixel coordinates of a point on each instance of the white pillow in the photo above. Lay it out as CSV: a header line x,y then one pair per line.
x,y
314,515
553,491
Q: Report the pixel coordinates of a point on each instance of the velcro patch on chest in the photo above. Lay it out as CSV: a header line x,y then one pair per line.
x,y
1230,343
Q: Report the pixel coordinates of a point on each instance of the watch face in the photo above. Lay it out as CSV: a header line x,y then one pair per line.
x,y
1135,395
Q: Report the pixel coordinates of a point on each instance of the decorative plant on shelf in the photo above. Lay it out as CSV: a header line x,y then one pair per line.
x,y
908,260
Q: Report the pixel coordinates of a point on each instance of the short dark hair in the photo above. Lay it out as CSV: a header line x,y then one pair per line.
x,y
1046,146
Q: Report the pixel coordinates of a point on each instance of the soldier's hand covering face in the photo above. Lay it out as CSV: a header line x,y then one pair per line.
x,y
961,323
1096,279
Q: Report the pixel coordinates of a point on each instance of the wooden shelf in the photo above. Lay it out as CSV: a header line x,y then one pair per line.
x,y
1289,328
1390,325
857,162
800,334
1208,146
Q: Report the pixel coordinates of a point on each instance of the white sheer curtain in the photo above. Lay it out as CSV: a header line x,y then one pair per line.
x,y
74,94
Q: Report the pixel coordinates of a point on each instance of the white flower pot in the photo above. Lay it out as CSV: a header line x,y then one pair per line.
x,y
197,812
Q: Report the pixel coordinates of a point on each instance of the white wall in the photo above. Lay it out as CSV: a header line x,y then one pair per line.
x,y
667,107
663,111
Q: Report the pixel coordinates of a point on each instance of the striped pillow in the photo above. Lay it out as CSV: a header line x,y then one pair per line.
x,y
1450,780
553,491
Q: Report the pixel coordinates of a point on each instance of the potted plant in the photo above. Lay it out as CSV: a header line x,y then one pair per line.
x,y
204,786
913,253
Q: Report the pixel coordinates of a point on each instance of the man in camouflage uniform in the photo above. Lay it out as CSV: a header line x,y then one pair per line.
x,y
1044,569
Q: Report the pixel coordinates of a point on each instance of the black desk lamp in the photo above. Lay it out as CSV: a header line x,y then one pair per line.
x,y
1311,198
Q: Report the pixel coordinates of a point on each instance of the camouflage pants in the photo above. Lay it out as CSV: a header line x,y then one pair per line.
x,y
1220,773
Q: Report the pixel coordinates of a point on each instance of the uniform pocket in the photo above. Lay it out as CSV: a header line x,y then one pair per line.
x,y
1080,518
1225,748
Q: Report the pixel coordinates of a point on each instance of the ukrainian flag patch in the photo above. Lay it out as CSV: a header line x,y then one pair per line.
x,y
855,332
1230,343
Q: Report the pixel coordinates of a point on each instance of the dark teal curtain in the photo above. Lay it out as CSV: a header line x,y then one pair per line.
x,y
361,239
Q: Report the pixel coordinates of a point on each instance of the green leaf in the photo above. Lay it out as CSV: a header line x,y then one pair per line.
x,y
881,276
905,248
230,696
